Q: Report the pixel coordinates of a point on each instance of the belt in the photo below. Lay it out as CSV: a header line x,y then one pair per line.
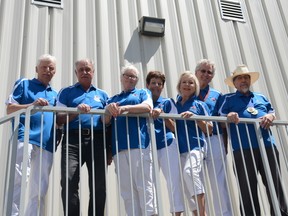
x,y
85,131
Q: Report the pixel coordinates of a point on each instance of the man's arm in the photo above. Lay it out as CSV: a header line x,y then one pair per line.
x,y
13,107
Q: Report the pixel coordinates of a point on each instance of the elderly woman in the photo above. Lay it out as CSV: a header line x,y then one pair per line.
x,y
131,150
192,145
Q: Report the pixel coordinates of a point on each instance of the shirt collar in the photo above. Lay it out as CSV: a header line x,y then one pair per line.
x,y
179,98
128,92
48,87
92,87
239,94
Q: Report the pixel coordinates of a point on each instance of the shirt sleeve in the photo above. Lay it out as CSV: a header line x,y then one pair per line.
x,y
60,102
146,98
17,93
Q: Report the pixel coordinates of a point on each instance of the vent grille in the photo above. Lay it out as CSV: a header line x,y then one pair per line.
x,y
49,3
231,10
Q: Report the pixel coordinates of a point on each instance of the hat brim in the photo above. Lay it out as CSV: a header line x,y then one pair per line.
x,y
253,75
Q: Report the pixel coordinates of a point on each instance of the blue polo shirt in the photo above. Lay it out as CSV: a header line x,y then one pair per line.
x,y
168,106
198,108
25,92
210,97
74,95
237,102
134,97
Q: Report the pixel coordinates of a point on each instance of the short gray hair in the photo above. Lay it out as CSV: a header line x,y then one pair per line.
x,y
46,57
205,62
90,61
129,67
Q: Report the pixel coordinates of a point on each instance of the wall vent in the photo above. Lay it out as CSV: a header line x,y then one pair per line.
x,y
231,10
49,3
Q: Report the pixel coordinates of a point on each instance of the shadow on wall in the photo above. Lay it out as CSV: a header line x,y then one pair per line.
x,y
141,48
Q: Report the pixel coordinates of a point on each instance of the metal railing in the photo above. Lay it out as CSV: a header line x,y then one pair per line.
x,y
114,202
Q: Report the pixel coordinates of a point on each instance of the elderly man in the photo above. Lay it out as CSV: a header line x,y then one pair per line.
x,y
216,156
131,144
246,104
35,92
85,96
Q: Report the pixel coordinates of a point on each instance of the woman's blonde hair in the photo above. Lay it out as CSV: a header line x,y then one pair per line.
x,y
189,74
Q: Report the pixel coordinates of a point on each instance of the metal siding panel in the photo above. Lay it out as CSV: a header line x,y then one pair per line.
x,y
107,32
268,61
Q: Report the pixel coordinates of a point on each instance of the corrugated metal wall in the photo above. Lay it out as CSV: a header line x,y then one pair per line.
x,y
106,31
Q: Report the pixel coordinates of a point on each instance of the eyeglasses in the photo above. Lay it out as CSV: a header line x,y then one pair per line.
x,y
204,71
132,77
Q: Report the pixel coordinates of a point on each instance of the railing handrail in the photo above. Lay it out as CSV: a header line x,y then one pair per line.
x,y
102,112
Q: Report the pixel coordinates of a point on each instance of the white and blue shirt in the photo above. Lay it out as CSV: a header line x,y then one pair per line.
x,y
26,91
74,95
239,103
212,98
136,140
168,106
198,108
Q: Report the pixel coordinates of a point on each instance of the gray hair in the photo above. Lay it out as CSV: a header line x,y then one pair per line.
x,y
205,62
46,57
90,61
190,74
129,67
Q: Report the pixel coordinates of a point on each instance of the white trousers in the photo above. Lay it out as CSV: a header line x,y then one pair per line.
x,y
216,163
40,167
134,172
193,175
169,164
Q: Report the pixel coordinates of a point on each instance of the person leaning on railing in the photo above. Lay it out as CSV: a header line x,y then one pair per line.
x,y
26,93
247,104
216,154
167,146
85,96
193,150
137,188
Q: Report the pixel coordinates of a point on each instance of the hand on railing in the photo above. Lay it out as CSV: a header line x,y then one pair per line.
x,y
267,120
41,102
233,117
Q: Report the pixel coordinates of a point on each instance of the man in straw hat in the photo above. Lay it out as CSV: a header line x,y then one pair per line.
x,y
246,104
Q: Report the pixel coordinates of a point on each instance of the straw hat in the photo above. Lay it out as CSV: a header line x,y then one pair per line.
x,y
241,70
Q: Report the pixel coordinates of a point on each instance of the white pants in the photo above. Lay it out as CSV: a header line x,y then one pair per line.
x,y
38,179
216,162
193,175
168,162
138,195
19,174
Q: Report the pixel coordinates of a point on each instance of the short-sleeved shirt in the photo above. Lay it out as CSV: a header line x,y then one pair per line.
x,y
239,103
25,92
74,95
212,98
168,106
134,97
198,108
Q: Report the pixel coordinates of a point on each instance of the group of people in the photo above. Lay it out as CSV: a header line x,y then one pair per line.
x,y
183,145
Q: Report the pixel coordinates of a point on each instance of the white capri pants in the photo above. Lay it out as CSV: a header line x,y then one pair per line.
x,y
193,174
169,164
136,193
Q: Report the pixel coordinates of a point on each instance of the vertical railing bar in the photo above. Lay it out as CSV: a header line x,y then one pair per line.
x,y
267,170
10,169
156,166
25,159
